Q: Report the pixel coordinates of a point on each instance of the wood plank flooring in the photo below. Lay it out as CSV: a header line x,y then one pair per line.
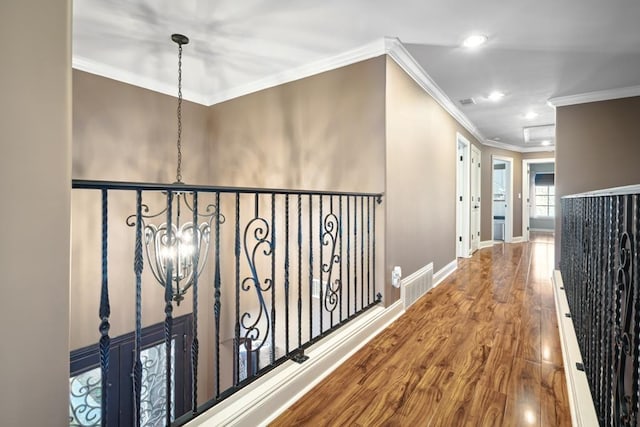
x,y
481,349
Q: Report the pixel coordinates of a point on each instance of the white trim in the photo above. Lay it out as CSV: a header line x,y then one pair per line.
x,y
93,67
487,244
614,191
600,95
359,54
261,402
475,187
583,412
463,189
444,272
390,46
526,192
543,230
509,147
519,239
396,50
508,213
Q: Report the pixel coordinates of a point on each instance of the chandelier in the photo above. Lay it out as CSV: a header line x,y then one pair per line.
x,y
184,244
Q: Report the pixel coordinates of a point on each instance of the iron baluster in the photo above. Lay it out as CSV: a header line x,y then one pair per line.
x,y
194,341
259,230
273,278
348,256
217,294
137,267
286,272
299,270
369,250
310,267
236,341
321,269
361,252
373,244
341,254
168,310
104,313
355,252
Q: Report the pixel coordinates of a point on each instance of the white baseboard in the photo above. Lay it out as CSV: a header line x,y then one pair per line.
x,y
486,244
261,402
518,239
542,230
583,412
444,272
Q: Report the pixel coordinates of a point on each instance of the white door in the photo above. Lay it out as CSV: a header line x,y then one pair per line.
x,y
526,200
463,246
475,198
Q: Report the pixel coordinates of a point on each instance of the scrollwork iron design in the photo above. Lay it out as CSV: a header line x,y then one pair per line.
x,y
624,397
257,330
85,397
329,238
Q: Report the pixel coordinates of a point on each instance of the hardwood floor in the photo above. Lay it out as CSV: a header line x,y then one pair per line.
x,y
481,349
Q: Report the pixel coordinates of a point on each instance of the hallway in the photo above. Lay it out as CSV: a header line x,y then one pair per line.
x,y
480,349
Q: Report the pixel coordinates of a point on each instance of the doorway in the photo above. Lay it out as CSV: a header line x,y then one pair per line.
x,y
463,247
502,199
475,198
538,201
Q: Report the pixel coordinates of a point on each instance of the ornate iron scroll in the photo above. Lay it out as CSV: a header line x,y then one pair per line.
x,y
259,230
329,238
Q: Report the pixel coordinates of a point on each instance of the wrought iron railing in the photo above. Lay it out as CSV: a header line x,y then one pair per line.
x,y
274,271
599,266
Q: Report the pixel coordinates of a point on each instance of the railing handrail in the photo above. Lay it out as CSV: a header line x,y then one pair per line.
x,y
613,191
145,186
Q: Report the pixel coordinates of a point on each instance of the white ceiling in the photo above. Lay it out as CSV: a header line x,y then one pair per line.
x,y
537,50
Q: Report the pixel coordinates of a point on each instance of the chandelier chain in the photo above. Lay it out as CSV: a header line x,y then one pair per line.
x,y
179,113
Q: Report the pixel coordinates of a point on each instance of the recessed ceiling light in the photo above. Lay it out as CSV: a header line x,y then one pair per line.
x,y
546,142
531,115
496,95
474,41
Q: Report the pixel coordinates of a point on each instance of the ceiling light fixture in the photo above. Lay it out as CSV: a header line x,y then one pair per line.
x,y
495,96
531,115
177,249
474,41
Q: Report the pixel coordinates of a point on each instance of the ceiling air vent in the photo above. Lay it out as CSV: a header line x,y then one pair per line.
x,y
467,101
537,134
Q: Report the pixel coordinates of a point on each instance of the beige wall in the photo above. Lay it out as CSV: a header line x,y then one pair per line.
x,y
324,132
597,147
421,177
34,221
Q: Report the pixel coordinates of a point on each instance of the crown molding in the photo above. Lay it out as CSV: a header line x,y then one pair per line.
x,y
600,95
93,67
359,54
390,46
396,50
517,148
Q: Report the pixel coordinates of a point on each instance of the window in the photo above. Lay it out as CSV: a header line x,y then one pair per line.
x,y
85,378
545,194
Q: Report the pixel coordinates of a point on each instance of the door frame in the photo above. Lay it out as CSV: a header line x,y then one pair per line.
x,y
476,187
508,212
526,194
463,189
